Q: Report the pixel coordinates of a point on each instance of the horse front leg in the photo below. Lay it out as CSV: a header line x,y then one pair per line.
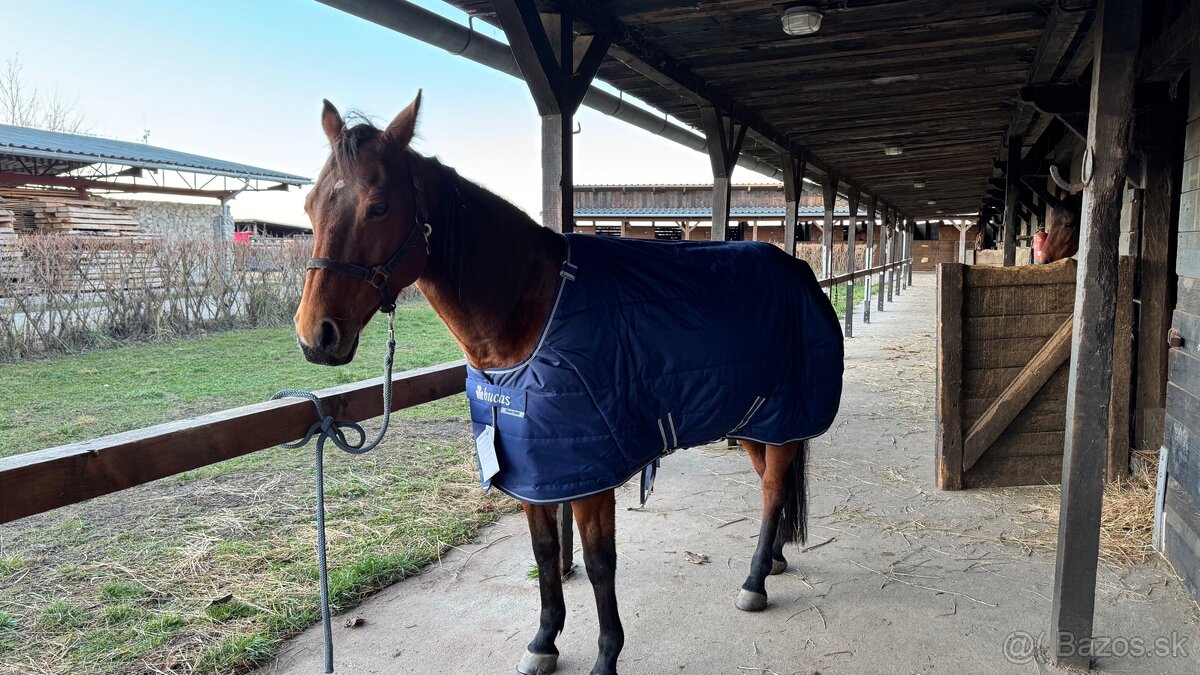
x,y
541,657
596,517
777,477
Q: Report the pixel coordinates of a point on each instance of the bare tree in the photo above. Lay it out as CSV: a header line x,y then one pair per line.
x,y
23,106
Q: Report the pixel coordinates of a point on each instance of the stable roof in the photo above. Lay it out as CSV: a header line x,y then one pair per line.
x,y
70,151
940,80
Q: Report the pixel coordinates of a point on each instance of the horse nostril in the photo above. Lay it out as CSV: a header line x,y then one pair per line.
x,y
329,335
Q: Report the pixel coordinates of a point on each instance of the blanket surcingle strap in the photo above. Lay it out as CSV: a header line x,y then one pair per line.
x,y
653,346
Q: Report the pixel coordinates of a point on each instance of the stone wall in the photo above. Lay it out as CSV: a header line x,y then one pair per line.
x,y
177,220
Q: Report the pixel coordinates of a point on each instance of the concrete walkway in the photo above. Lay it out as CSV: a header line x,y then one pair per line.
x,y
897,578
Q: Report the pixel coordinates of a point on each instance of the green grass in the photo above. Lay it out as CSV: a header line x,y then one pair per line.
x,y
838,297
213,569
66,399
237,653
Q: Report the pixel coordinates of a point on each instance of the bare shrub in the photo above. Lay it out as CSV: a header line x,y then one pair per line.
x,y
77,292
811,253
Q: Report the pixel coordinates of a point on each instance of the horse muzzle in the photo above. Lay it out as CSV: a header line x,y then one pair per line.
x,y
328,345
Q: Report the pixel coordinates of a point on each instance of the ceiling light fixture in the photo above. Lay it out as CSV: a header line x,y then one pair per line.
x,y
893,151
894,79
919,184
803,20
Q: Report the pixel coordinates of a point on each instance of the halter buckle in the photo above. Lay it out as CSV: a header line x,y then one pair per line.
x,y
379,276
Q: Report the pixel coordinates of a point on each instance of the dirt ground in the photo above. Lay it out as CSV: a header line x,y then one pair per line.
x,y
897,577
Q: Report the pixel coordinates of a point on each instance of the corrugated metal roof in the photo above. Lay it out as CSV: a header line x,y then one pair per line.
x,y
77,149
704,213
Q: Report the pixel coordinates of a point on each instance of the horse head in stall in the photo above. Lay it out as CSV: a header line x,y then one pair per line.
x,y
551,357
1062,220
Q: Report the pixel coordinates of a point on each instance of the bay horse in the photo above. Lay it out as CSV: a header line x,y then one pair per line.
x,y
497,278
1062,218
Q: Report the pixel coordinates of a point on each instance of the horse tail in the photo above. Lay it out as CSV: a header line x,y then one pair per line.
x,y
795,504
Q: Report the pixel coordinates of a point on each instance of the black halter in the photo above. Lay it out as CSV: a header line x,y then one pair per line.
x,y
378,275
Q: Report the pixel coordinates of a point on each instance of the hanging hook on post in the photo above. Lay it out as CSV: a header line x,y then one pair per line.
x,y
1073,188
578,129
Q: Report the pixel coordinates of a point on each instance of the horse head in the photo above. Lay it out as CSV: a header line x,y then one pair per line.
x,y
370,240
1062,220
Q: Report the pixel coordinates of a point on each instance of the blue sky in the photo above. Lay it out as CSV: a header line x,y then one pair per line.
x,y
243,80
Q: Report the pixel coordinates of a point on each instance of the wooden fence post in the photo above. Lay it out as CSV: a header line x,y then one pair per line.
x,y
949,437
1117,29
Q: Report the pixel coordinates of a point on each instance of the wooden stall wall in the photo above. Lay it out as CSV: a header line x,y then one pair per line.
x,y
1180,533
1003,344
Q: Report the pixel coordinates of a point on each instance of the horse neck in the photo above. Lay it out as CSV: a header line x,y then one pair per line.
x,y
492,273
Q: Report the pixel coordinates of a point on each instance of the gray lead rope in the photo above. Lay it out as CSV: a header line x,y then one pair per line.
x,y
334,430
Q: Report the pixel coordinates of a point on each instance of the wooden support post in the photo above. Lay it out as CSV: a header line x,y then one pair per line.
x,y
1117,29
851,263
1012,188
912,233
872,211
903,225
1122,360
793,190
1159,132
894,254
725,136
885,254
962,242
830,198
559,67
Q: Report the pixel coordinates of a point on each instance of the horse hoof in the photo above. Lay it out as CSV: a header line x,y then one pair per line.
x,y
778,566
537,664
749,601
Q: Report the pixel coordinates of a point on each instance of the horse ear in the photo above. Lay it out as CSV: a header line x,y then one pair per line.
x,y
331,122
399,133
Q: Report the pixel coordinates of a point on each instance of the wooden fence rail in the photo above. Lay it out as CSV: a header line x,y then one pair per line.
x,y
35,482
839,279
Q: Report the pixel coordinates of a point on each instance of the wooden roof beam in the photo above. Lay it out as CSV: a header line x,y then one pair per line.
x,y
634,51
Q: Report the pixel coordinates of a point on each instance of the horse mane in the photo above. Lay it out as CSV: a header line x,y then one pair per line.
x,y
458,199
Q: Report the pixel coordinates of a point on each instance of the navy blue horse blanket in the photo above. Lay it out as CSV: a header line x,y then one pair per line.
x,y
653,346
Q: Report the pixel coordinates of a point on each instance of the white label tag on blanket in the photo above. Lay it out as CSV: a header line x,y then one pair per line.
x,y
485,446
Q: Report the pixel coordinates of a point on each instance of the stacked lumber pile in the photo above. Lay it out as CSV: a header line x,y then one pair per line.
x,y
10,254
66,212
115,254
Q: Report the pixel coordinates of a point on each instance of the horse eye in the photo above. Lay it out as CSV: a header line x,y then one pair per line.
x,y
377,210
